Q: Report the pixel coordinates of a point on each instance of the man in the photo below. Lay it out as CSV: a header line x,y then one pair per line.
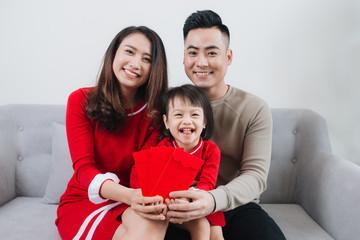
x,y
243,132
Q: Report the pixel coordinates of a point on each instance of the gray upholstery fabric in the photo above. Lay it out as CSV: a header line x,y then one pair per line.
x,y
7,154
297,136
28,218
295,222
311,193
61,165
33,144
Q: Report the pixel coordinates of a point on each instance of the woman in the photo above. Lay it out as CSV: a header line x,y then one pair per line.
x,y
104,125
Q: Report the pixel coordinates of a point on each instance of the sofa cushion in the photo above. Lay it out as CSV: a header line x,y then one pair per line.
x,y
61,165
295,223
28,218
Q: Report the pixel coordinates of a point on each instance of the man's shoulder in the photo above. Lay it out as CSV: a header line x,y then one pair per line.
x,y
239,100
237,95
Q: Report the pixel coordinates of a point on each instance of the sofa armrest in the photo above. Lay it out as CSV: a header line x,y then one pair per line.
x,y
328,189
7,158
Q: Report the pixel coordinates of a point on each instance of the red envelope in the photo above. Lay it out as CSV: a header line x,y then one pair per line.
x,y
162,170
159,156
178,174
142,168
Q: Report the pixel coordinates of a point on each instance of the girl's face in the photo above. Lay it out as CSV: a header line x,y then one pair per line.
x,y
132,62
185,122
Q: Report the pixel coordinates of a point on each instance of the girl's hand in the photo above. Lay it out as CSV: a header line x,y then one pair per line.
x,y
202,204
148,207
169,202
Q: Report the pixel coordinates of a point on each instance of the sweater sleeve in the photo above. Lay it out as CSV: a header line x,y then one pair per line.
x,y
81,145
254,164
209,171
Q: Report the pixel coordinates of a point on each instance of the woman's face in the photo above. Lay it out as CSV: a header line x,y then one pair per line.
x,y
132,62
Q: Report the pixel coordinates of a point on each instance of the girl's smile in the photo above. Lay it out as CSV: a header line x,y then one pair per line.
x,y
185,122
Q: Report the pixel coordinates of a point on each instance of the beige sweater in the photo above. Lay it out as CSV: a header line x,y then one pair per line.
x,y
243,132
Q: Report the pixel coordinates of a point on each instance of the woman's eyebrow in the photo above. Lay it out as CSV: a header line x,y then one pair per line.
x,y
134,48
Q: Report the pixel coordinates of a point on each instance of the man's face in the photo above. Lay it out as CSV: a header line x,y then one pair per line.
x,y
206,57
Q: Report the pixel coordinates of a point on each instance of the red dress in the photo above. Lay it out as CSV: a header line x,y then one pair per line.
x,y
97,156
208,151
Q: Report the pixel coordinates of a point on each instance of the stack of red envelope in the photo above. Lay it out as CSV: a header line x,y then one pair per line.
x,y
162,170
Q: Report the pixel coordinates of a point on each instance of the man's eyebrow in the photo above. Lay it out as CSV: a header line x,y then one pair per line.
x,y
192,46
207,48
212,47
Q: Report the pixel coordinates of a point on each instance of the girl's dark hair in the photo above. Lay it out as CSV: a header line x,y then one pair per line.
x,y
196,97
205,19
105,103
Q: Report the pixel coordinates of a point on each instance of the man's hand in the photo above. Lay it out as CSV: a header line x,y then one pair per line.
x,y
202,204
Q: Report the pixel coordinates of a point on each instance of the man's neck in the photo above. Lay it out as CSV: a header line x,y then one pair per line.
x,y
217,92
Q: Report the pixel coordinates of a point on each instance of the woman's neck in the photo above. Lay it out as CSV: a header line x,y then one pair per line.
x,y
131,99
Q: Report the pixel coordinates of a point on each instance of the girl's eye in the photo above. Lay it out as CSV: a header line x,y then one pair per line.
x,y
177,115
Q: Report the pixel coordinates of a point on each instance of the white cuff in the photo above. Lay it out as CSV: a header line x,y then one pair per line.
x,y
94,187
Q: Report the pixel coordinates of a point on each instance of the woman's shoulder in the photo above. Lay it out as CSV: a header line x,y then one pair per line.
x,y
78,98
80,94
82,91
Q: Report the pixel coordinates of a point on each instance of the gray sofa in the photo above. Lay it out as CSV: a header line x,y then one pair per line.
x,y
311,193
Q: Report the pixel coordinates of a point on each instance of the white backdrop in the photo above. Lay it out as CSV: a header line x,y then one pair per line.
x,y
297,54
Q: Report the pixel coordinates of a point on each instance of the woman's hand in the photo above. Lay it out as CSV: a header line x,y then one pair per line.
x,y
148,207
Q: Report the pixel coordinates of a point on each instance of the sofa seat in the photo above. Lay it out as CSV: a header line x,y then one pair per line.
x,y
295,223
34,219
28,218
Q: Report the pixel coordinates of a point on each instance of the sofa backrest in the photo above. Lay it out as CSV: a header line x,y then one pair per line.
x,y
29,144
26,141
298,134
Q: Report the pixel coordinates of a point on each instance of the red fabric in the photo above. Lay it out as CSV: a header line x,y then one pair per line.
x,y
95,151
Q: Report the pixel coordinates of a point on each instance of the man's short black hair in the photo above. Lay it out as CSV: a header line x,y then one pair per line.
x,y
205,19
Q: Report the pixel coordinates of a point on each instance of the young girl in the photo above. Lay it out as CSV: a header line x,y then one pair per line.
x,y
188,124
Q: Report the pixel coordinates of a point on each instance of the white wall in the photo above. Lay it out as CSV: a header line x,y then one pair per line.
x,y
297,54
